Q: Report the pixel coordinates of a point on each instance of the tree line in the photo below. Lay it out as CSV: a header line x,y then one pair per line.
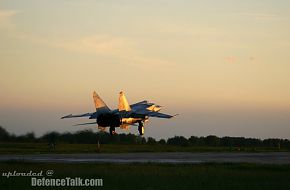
x,y
90,137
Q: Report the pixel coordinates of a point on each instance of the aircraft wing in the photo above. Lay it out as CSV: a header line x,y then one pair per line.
x,y
136,107
139,103
79,115
161,115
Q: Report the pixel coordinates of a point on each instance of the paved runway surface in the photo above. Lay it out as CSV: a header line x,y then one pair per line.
x,y
175,158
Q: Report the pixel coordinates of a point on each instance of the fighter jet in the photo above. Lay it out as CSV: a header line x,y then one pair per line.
x,y
126,115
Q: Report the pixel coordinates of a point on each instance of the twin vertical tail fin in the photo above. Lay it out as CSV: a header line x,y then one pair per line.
x,y
100,105
123,103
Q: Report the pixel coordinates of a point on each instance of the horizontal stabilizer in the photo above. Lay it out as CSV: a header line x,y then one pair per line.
x,y
86,123
80,115
160,115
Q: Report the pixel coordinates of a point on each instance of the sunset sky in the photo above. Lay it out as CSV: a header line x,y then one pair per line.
x,y
224,65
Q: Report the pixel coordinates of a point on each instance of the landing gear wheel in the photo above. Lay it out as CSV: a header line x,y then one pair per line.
x,y
141,128
112,131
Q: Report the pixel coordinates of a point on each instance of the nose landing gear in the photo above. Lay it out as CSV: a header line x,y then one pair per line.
x,y
141,128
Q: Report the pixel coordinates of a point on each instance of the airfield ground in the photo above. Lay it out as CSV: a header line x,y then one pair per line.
x,y
65,148
163,157
149,167
158,176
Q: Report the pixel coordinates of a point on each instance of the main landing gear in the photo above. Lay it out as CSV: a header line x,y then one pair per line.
x,y
112,131
141,128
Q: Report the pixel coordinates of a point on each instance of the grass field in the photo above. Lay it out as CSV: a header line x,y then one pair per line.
x,y
38,148
158,176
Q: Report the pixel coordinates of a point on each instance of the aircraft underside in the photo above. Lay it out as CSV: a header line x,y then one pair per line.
x,y
114,121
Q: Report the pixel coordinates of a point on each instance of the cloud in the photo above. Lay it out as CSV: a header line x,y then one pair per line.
x,y
102,45
97,44
231,59
5,17
4,14
262,16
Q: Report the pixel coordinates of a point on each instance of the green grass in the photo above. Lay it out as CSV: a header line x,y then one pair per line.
x,y
36,148
159,176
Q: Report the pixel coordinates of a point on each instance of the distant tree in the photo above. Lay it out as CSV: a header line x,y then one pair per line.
x,y
28,137
151,141
226,141
143,140
193,140
115,139
132,139
88,136
51,138
252,142
239,141
285,143
4,135
162,141
271,142
67,137
103,137
212,140
85,136
178,140
129,139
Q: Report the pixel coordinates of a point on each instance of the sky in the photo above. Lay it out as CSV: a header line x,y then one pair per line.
x,y
223,66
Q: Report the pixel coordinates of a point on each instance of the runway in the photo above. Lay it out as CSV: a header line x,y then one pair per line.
x,y
173,158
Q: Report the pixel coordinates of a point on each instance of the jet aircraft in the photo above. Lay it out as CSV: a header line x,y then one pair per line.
x,y
122,117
